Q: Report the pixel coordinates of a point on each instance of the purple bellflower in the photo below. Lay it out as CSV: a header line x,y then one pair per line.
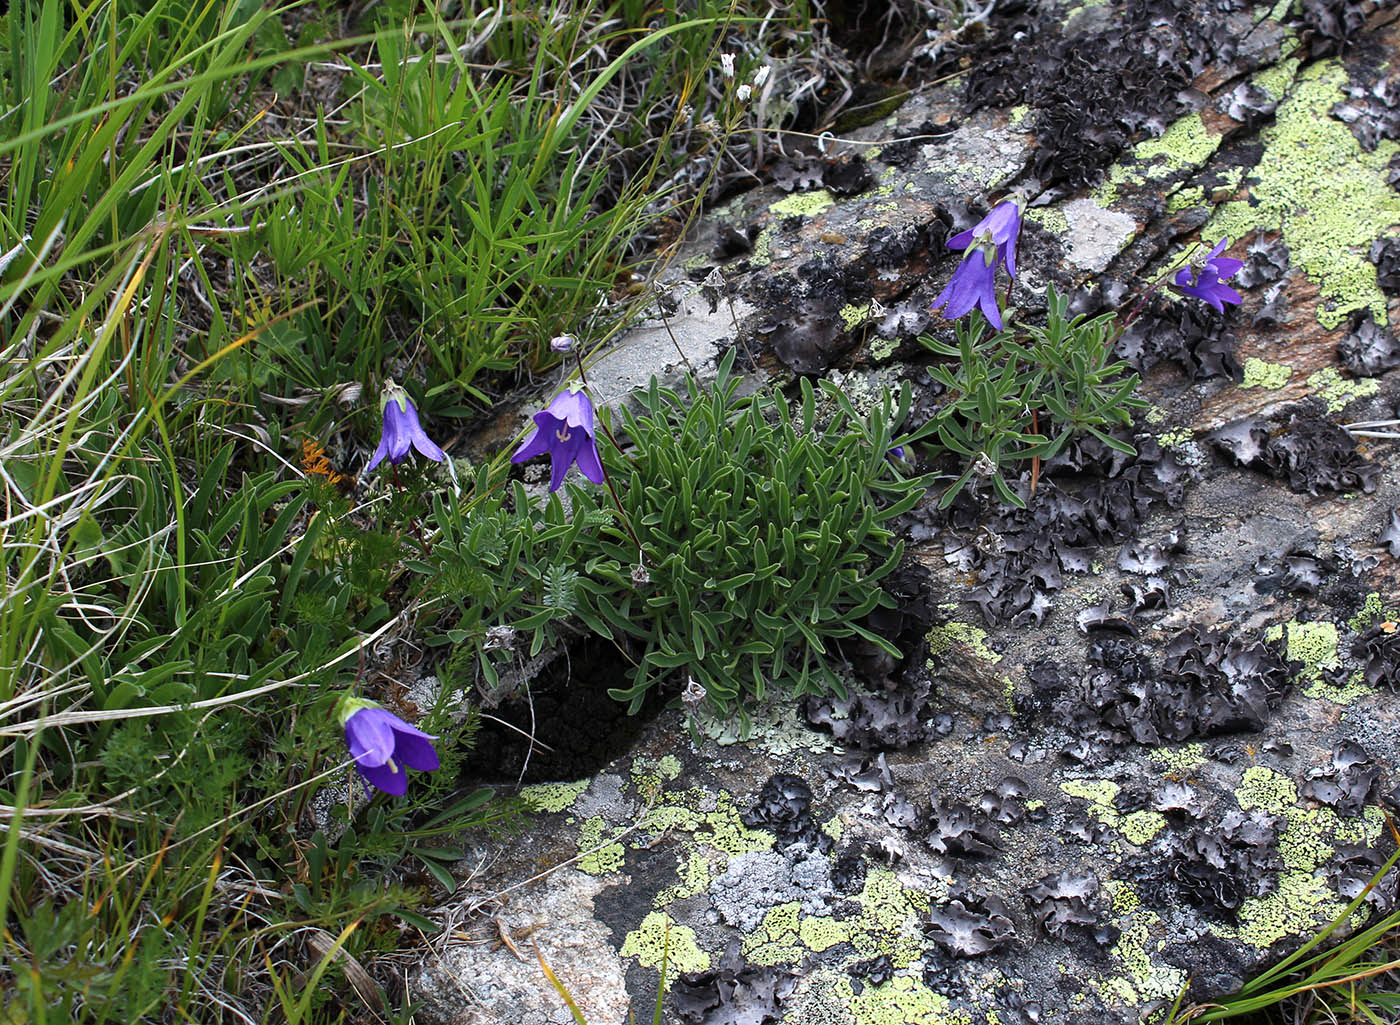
x,y
1003,227
402,431
1205,278
973,284
384,746
564,429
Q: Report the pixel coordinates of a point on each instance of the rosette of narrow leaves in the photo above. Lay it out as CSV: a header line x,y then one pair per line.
x,y
764,534
1077,379
1010,401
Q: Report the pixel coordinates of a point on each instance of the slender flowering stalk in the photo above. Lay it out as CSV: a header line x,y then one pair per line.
x,y
402,431
383,745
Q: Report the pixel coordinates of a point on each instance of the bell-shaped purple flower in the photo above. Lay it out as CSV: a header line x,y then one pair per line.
x,y
1003,226
564,429
402,431
973,284
384,746
1205,279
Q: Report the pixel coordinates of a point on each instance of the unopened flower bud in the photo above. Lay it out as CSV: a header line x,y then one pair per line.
x,y
640,575
761,75
562,343
726,64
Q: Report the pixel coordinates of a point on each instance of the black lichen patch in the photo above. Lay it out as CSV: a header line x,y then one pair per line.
x,y
1379,647
1327,27
1215,870
1296,569
958,830
1249,104
798,173
848,870
971,925
877,971
1312,454
848,177
733,993
871,722
1350,784
1119,72
784,808
1266,261
1385,254
1089,495
1066,904
1368,349
1192,335
1390,535
1353,868
1211,682
1371,110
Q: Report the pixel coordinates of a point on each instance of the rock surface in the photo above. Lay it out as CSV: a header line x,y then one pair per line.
x,y
1145,740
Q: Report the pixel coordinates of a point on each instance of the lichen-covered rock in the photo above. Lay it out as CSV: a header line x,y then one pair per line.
x,y
1142,731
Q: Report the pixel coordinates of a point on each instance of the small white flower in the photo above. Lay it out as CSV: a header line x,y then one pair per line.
x,y
743,93
726,64
761,75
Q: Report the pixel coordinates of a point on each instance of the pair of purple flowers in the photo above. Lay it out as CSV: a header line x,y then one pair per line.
x,y
991,243
564,429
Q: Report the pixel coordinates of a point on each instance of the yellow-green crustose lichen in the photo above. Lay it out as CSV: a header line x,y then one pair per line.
x,y
552,796
941,640
807,204
1100,793
1259,374
660,940
1338,391
1302,899
1179,761
1139,827
1171,439
1315,645
1327,195
607,858
1372,609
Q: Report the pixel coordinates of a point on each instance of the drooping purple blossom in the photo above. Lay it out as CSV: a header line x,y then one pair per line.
x,y
402,431
564,429
1205,280
384,746
972,284
1003,227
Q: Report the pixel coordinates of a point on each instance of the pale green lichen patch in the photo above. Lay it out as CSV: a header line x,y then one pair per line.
x,y
904,1001
888,922
1260,374
1139,827
1171,439
833,827
1100,794
775,941
807,204
1338,391
1327,195
1263,788
1186,143
761,255
1278,78
1141,979
1183,199
1180,761
695,874
607,858
853,315
1301,903
1316,646
1049,218
942,639
1372,609
552,797
660,940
